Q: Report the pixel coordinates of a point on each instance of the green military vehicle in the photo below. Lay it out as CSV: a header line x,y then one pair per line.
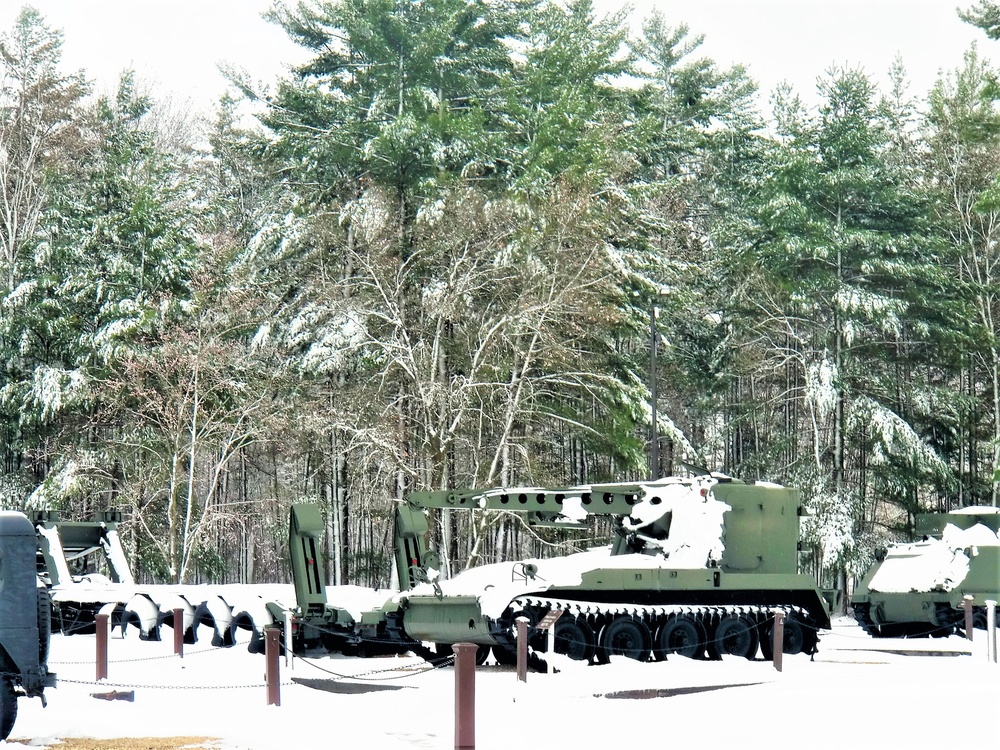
x,y
24,620
697,567
921,589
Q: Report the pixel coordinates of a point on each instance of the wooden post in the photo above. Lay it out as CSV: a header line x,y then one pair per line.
x,y
967,606
465,696
778,638
102,647
179,632
272,648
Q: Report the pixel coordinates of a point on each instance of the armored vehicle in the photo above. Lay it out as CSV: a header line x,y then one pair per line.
x,y
696,567
24,620
919,589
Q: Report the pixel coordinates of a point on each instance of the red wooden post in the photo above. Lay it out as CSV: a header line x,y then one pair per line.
x,y
272,649
465,696
778,642
179,632
522,649
102,647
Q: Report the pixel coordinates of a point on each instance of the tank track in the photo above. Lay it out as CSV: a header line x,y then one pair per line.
x,y
863,616
948,619
596,631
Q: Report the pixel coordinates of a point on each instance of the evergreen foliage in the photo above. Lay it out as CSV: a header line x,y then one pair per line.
x,y
440,257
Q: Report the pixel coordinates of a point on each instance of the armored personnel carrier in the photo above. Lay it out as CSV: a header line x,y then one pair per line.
x,y
696,567
919,589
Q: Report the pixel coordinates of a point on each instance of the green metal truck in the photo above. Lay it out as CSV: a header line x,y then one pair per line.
x,y
24,620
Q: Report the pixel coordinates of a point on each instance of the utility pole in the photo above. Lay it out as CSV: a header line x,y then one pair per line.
x,y
654,438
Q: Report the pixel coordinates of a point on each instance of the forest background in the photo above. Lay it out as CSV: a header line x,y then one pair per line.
x,y
470,243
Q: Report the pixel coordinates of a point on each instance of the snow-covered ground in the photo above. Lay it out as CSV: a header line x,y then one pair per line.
x,y
856,692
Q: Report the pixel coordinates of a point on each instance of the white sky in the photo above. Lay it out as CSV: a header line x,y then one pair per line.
x,y
178,44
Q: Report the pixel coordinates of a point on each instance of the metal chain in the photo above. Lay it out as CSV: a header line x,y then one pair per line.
x,y
441,663
194,652
106,683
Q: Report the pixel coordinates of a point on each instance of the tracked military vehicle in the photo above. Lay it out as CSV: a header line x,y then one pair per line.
x,y
697,567
919,589
24,620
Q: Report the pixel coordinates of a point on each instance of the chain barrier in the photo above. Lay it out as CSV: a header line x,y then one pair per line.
x,y
382,675
411,671
110,683
376,675
158,657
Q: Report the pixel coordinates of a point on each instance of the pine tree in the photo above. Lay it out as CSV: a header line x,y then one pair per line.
x,y
116,252
858,289
963,136
38,141
697,120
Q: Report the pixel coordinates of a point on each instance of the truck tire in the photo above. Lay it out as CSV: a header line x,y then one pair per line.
x,y
8,707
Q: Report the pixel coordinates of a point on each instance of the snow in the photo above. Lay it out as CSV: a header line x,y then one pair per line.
x,y
695,537
53,388
932,565
357,599
977,510
821,390
867,687
62,567
976,535
116,557
696,527
923,566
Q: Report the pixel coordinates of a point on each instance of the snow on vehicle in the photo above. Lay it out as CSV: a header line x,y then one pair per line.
x,y
919,589
697,567
87,571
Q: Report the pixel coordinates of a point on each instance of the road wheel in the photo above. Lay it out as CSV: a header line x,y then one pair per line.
x,y
482,654
734,636
575,638
624,636
504,656
680,635
796,638
765,634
